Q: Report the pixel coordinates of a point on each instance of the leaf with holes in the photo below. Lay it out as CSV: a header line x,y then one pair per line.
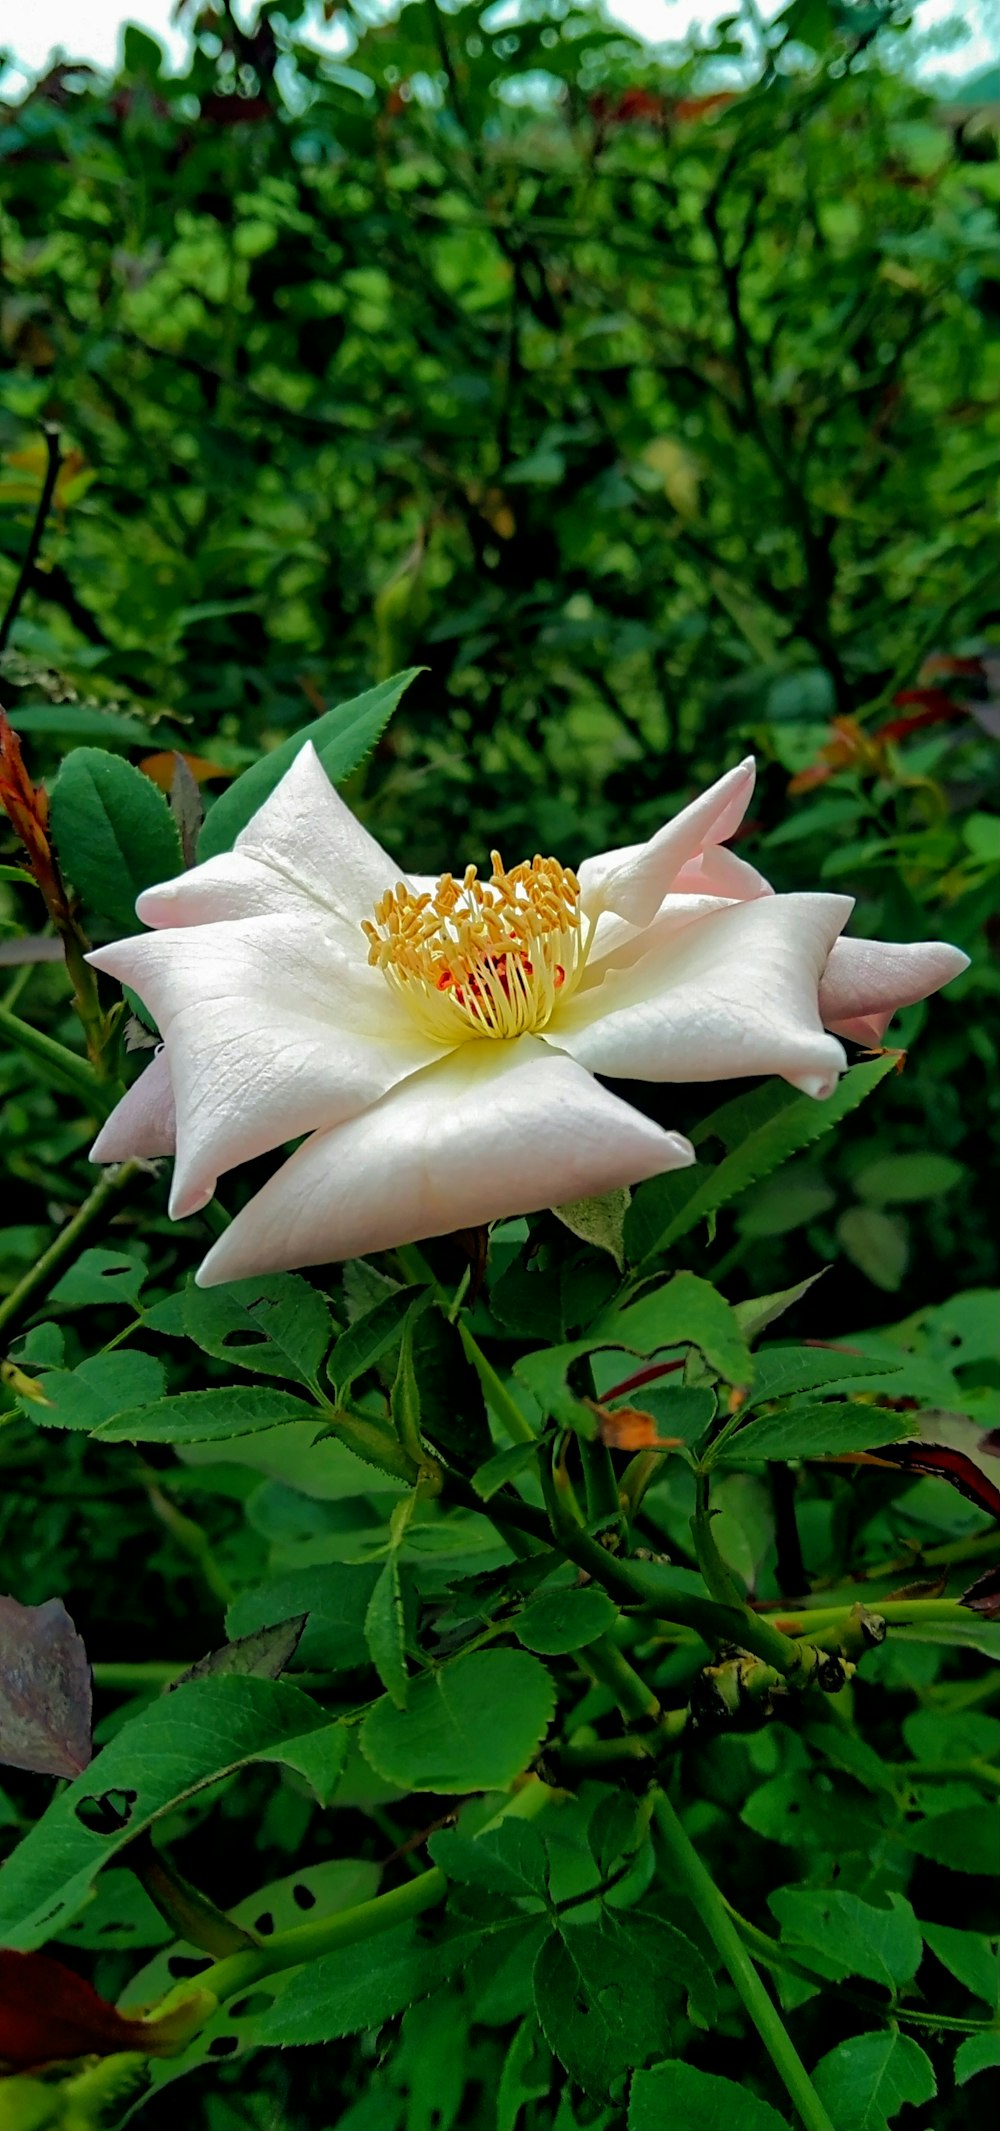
x,y
207,1729
100,1276
683,1312
278,1326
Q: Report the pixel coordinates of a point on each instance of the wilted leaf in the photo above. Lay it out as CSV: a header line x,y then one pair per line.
x,y
45,1700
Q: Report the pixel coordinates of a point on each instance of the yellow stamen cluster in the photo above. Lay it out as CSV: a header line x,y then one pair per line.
x,y
481,958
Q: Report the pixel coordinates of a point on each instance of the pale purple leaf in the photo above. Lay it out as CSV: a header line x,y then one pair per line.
x,y
45,1695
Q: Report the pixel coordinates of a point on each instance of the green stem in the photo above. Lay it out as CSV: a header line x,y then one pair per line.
x,y
687,1868
636,1701
42,1276
718,1576
136,1679
502,1401
68,1068
897,1612
306,1942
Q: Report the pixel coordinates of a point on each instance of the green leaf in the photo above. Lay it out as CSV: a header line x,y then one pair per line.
x,y
679,2095
184,1741
452,1411
599,1222
371,1336
341,737
759,1311
385,1632
857,1938
265,1655
87,1396
507,1859
98,1277
335,1596
526,2075
814,1432
600,1997
474,1725
866,2080
555,1622
206,1416
277,1326
967,1955
967,1840
978,2053
781,1372
877,1243
685,1311
360,1986
899,1179
114,833
503,1467
759,1132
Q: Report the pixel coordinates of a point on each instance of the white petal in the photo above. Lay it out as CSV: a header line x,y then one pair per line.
x,y
271,1029
634,880
144,1122
617,944
495,1129
865,981
718,871
303,846
733,994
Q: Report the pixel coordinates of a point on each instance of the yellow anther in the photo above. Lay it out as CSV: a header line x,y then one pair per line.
x,y
482,957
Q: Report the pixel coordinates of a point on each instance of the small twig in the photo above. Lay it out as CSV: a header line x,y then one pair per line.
x,y
54,448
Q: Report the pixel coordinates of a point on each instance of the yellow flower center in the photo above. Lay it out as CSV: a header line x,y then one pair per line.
x,y
482,958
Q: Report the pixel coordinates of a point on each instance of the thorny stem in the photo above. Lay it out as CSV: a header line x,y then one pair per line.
x,y
40,1277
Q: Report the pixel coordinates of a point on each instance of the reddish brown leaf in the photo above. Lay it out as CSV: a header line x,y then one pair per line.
x,y
944,1463
45,1702
983,1596
48,2013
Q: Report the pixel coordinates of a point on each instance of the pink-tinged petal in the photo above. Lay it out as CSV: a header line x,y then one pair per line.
x,y
303,847
733,994
717,871
866,981
634,880
272,1030
144,1123
494,1129
616,944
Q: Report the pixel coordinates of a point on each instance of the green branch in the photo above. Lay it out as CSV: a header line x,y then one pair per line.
x,y
687,1870
37,1281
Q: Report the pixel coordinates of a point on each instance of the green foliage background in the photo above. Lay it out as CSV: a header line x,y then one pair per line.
x,y
653,423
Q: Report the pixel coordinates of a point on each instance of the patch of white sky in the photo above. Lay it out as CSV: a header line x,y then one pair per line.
x,y
946,38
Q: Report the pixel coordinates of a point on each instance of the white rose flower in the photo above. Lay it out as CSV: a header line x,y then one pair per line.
x,y
437,1041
